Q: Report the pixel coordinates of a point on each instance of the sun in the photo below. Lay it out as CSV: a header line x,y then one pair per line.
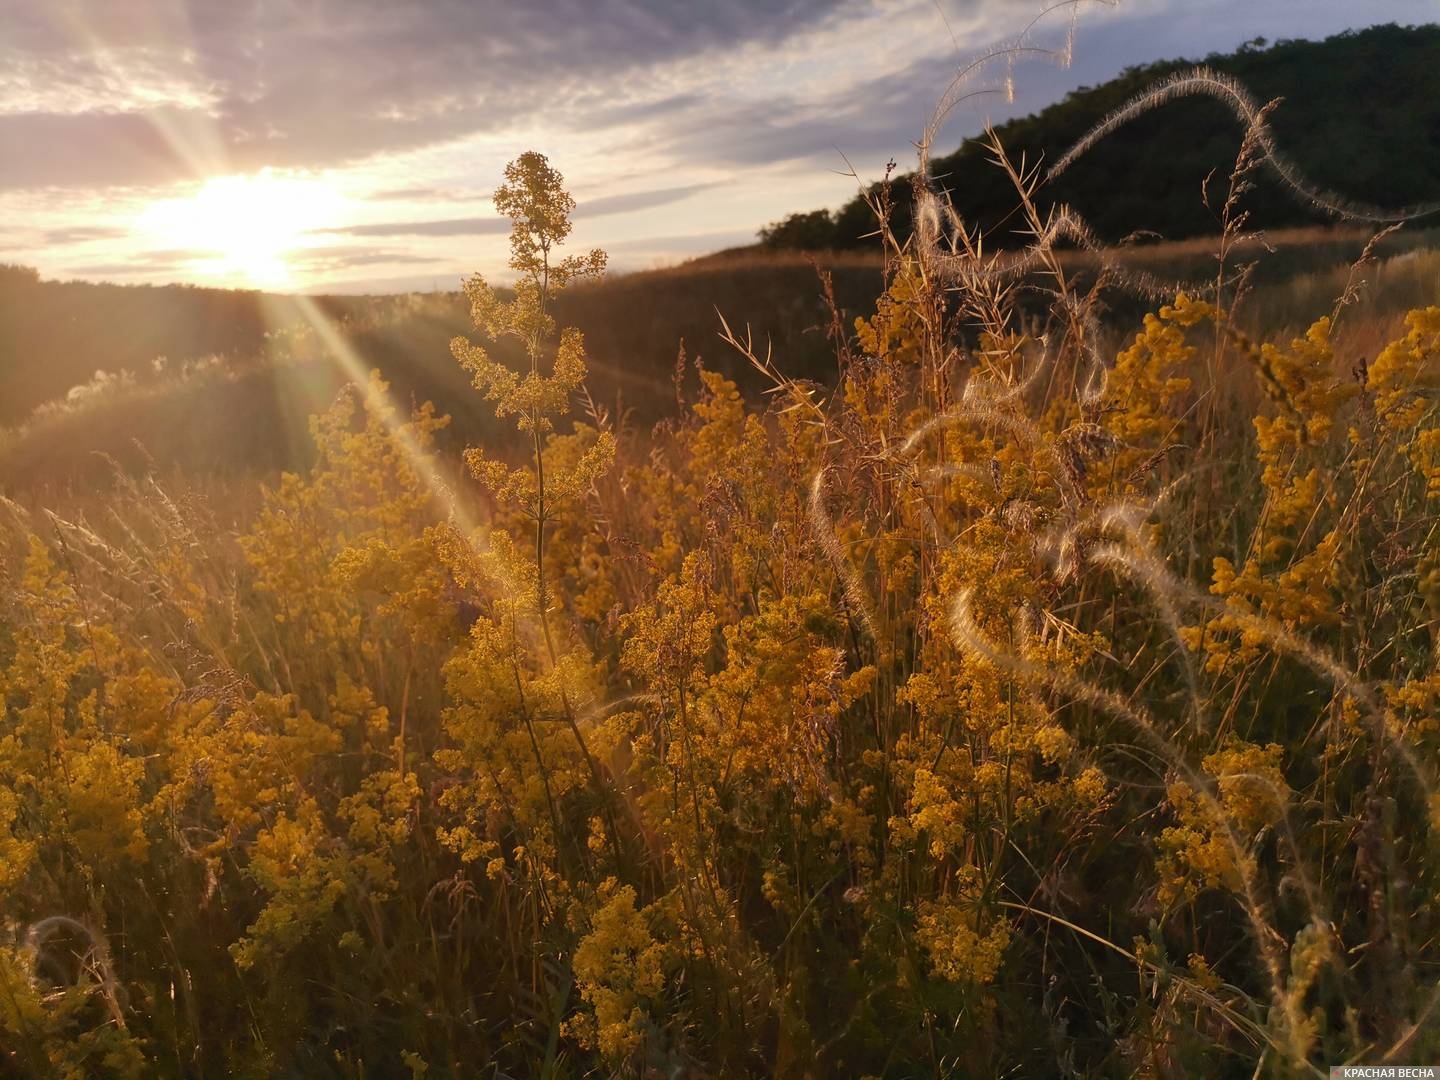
x,y
244,229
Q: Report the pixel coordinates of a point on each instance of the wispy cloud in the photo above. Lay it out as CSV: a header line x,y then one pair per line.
x,y
81,234
226,86
623,203
491,226
169,260
333,259
425,194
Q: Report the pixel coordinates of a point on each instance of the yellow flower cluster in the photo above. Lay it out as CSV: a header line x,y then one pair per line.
x,y
797,742
957,951
1405,380
619,966
1289,574
1210,845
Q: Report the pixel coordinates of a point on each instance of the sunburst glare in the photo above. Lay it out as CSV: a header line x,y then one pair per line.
x,y
245,229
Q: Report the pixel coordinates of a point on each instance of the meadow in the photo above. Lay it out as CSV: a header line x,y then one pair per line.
x,y
218,383
1029,667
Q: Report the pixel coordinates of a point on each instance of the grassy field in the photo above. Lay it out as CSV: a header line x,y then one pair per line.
x,y
1005,674
233,396
243,371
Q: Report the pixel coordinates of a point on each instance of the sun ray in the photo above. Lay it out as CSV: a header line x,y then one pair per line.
x,y
441,480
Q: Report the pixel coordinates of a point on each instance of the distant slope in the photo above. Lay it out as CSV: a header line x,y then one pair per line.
x,y
1361,116
248,409
56,335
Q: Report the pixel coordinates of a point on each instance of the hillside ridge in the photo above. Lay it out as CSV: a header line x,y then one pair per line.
x,y
1360,115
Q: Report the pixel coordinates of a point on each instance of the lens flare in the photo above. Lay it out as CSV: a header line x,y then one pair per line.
x,y
244,229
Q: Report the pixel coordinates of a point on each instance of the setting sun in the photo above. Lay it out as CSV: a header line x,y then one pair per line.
x,y
244,229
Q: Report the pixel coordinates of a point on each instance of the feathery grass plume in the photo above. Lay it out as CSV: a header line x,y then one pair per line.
x,y
1289,1040
94,961
1154,575
1237,99
857,601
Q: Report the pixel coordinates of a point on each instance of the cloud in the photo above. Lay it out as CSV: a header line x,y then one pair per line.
x,y
683,244
90,271
424,194
40,149
624,203
438,281
103,270
631,201
307,261
343,258
490,226
81,234
226,86
103,92
144,262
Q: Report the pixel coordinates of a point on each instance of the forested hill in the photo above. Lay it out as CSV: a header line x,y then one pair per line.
x,y
1360,116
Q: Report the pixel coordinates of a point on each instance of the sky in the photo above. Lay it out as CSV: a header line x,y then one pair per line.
x,y
352,145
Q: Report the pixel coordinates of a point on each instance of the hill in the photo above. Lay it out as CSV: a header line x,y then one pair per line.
x,y
218,378
1360,115
243,371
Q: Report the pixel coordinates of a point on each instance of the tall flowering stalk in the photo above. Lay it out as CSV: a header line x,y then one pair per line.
x,y
562,469
534,199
